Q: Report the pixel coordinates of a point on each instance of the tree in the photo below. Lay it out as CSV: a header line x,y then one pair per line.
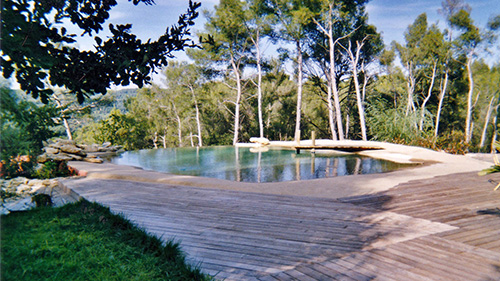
x,y
227,42
342,31
25,125
38,52
258,23
181,76
293,17
409,57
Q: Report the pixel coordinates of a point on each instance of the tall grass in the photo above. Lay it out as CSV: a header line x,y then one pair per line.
x,y
85,241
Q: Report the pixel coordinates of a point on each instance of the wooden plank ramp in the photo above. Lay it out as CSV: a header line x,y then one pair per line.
x,y
446,228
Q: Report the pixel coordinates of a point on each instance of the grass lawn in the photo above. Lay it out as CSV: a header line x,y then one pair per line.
x,y
84,241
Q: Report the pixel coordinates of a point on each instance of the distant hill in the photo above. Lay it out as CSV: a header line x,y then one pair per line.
x,y
119,97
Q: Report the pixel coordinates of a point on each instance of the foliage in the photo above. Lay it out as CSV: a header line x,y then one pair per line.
x,y
39,52
29,168
122,129
85,241
387,123
54,169
17,167
25,125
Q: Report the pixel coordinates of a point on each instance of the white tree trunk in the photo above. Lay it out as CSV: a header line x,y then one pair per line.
x,y
259,84
354,58
198,122
67,128
495,133
486,122
332,85
299,92
440,105
468,120
155,139
236,72
429,93
179,129
410,83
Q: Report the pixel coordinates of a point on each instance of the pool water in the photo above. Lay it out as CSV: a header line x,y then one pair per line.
x,y
244,164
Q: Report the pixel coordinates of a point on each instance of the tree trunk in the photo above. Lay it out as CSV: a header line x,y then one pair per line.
x,y
338,112
486,122
410,83
429,93
179,129
259,85
468,120
495,133
332,85
441,99
299,92
238,99
155,139
198,122
361,109
67,128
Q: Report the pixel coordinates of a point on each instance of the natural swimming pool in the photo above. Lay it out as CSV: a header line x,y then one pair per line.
x,y
245,164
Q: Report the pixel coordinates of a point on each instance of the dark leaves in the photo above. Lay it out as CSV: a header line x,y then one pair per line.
x,y
35,50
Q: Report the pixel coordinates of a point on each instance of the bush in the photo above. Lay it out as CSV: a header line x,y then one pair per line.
x,y
26,166
23,166
54,169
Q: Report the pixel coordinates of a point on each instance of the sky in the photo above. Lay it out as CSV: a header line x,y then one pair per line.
x,y
391,17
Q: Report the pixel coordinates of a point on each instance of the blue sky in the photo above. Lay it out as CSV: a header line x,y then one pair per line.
x,y
391,17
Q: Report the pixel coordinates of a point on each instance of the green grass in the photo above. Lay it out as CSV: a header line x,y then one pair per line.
x,y
84,241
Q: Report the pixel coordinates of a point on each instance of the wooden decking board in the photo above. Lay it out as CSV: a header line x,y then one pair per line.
x,y
398,270
251,236
458,261
420,265
442,264
415,268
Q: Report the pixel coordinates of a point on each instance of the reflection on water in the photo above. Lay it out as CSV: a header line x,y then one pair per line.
x,y
241,164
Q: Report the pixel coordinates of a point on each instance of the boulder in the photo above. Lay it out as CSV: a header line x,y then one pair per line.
x,y
93,160
51,150
60,157
262,141
72,149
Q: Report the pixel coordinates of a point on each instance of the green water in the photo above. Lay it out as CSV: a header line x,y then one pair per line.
x,y
243,165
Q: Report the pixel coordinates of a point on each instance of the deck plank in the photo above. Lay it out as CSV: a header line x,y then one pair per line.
x,y
431,229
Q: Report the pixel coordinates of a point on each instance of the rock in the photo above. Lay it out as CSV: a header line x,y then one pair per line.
x,y
93,160
51,150
91,148
42,158
106,144
60,157
262,141
72,149
62,142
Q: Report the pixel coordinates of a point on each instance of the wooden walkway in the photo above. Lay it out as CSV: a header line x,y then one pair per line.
x,y
445,228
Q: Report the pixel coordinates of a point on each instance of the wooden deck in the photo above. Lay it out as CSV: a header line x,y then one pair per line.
x,y
445,228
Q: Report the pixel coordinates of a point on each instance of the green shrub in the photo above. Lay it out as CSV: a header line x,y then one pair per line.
x,y
54,169
18,167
